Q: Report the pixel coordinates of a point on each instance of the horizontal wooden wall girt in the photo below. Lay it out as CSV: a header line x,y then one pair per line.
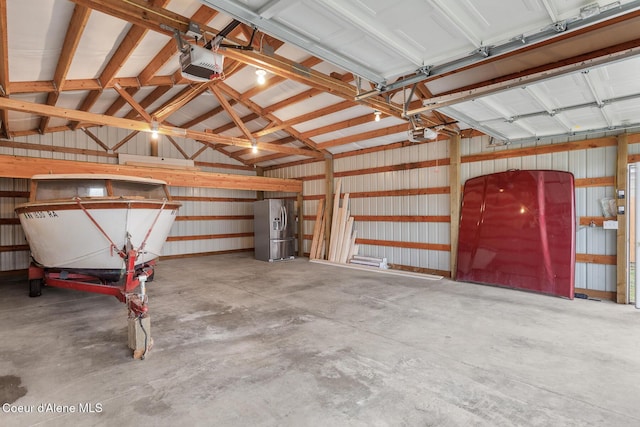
x,y
26,167
211,199
9,221
14,248
199,254
596,259
401,218
22,194
208,237
407,192
597,220
213,217
610,296
542,149
312,178
406,245
393,168
605,181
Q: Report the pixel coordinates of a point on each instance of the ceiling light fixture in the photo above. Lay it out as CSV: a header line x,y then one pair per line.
x,y
154,129
254,146
261,76
377,114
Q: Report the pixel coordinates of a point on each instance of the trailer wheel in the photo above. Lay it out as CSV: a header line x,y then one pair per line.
x,y
35,287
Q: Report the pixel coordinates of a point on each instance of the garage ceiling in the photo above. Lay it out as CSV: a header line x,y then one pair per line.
x,y
517,71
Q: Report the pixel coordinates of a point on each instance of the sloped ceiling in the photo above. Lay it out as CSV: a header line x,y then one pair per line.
x,y
514,70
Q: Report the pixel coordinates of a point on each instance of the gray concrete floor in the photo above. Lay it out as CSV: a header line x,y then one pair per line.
x,y
242,342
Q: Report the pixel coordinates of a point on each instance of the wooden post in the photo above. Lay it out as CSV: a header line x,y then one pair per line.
x,y
154,146
300,226
259,172
454,200
622,250
328,209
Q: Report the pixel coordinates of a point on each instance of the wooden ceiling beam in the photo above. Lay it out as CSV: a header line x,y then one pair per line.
x,y
5,89
275,79
125,140
258,110
231,112
200,151
156,94
228,126
231,154
365,135
120,102
342,105
207,115
97,140
129,99
367,118
175,144
99,119
159,19
164,55
118,59
26,167
76,27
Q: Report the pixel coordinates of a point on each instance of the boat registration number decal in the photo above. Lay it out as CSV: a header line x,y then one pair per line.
x,y
40,214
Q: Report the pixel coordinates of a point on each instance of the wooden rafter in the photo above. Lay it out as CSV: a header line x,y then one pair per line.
x,y
4,66
156,94
200,151
339,126
159,19
175,144
365,135
87,84
125,49
163,56
76,27
259,111
207,115
98,119
125,140
97,140
231,112
342,105
120,102
137,107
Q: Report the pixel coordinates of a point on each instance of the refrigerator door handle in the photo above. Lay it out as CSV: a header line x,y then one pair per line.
x,y
284,215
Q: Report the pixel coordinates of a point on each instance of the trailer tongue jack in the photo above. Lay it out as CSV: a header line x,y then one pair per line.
x,y
139,321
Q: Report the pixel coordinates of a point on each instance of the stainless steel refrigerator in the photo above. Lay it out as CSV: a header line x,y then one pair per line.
x,y
274,225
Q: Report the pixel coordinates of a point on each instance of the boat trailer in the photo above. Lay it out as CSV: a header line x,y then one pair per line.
x,y
139,322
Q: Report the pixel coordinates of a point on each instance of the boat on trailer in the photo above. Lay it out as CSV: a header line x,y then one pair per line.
x,y
85,223
101,234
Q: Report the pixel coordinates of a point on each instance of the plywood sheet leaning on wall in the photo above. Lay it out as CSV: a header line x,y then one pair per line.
x,y
317,226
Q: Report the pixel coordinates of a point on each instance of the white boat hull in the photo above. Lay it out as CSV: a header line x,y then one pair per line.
x,y
64,236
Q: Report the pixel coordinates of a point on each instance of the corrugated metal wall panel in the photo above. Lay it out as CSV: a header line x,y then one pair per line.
x,y
12,234
210,227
